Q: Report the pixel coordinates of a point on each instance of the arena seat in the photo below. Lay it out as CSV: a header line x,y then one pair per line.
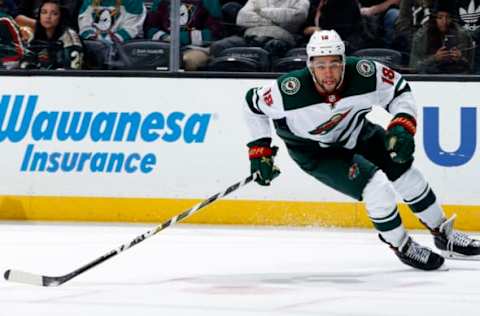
x,y
289,63
294,59
389,57
143,55
297,51
241,59
95,54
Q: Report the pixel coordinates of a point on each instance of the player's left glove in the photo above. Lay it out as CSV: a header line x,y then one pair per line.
x,y
399,139
261,160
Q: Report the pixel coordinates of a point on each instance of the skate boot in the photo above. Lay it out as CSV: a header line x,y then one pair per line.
x,y
455,244
415,255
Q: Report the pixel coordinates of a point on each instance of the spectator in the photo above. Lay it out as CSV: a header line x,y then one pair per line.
x,y
413,15
230,11
273,24
199,26
384,14
29,9
469,14
26,24
469,19
342,16
26,14
111,20
54,45
441,45
12,39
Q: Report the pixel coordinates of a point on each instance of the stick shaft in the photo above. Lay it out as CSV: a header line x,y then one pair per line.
x,y
25,277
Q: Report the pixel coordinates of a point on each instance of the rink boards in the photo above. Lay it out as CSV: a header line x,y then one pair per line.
x,y
144,149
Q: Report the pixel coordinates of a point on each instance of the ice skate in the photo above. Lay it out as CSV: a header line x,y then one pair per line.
x,y
415,255
454,244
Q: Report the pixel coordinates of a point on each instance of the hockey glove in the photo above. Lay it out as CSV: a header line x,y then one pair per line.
x,y
399,139
261,160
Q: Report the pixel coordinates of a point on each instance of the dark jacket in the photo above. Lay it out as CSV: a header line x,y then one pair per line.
x,y
9,7
195,15
342,16
468,12
11,46
427,41
413,15
64,50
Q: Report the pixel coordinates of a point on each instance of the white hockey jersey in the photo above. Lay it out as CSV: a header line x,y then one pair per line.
x,y
300,114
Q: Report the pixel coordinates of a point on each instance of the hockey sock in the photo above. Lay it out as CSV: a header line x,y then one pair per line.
x,y
380,202
415,191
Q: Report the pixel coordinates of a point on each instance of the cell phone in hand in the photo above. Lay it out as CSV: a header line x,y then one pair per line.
x,y
450,41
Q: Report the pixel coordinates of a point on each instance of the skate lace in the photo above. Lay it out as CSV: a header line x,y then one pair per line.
x,y
417,252
458,239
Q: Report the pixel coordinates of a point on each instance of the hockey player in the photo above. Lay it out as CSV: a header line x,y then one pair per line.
x,y
319,112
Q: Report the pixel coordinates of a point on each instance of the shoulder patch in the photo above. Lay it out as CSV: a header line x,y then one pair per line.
x,y
290,85
365,68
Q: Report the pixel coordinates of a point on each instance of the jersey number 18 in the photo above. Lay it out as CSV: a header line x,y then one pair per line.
x,y
388,75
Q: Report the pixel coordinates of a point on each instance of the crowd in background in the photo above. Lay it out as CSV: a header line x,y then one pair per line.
x,y
413,36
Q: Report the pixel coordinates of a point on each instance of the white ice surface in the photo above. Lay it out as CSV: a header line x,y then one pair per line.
x,y
218,271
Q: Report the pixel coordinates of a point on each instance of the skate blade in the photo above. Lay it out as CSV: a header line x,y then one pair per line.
x,y
443,267
456,256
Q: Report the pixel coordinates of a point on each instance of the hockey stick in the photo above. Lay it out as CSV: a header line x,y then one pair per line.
x,y
42,280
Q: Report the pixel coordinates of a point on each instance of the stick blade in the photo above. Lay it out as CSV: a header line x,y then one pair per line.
x,y
24,277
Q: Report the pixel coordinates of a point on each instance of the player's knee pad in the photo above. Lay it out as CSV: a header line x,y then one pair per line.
x,y
417,194
411,185
379,196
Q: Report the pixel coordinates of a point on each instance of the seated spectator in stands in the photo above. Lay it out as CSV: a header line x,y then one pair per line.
x,y
12,39
54,45
111,20
9,7
26,24
199,26
29,9
274,25
413,15
469,19
230,9
441,45
342,16
383,15
24,18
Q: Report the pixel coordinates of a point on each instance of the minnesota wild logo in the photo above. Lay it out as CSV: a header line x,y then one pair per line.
x,y
290,85
365,68
330,124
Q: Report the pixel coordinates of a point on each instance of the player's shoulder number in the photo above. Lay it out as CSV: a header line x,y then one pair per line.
x,y
388,75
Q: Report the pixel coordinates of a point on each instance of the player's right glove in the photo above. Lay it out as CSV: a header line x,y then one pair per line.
x,y
261,160
399,139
